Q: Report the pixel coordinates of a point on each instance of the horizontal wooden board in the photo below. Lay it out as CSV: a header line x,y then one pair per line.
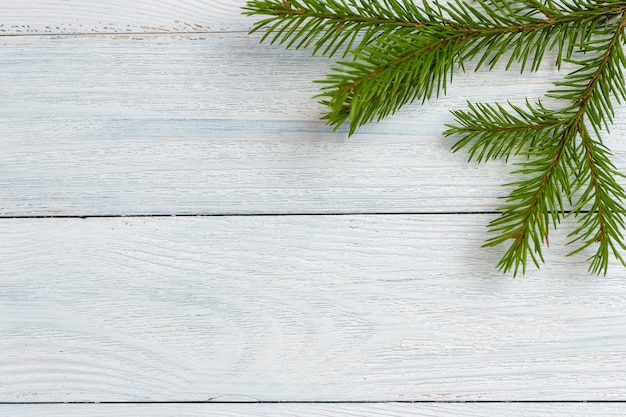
x,y
217,124
317,410
27,17
298,308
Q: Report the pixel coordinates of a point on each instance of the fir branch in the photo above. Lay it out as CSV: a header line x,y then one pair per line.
x,y
331,24
605,219
403,51
398,35
541,8
603,222
569,166
493,132
532,206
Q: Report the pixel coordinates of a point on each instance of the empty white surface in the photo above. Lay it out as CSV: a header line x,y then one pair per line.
x,y
325,308
102,116
28,17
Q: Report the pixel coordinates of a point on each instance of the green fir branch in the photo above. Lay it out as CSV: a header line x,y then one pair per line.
x,y
575,162
396,52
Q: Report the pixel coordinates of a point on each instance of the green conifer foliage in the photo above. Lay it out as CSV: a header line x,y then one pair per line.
x,y
394,52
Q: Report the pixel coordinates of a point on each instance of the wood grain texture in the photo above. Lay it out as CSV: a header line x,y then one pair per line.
x,y
216,124
132,107
317,410
300,308
28,17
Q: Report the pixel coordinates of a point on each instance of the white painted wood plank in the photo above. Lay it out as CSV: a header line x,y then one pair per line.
x,y
300,308
120,16
219,124
318,410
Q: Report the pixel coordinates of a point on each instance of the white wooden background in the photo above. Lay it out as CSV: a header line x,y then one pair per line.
x,y
181,235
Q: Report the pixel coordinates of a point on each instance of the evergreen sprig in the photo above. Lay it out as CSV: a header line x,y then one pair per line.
x,y
394,52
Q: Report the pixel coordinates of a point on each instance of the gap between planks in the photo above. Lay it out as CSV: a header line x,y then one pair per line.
x,y
304,402
166,215
117,35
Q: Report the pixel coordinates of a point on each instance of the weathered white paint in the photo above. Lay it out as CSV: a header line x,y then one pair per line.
x,y
219,124
120,16
316,410
101,116
329,308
